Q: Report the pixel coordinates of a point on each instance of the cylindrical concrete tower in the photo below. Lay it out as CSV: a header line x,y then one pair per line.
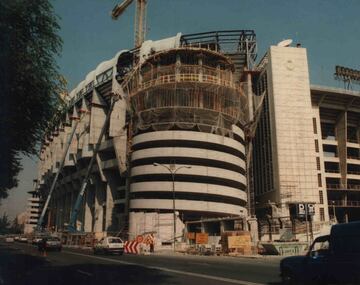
x,y
187,111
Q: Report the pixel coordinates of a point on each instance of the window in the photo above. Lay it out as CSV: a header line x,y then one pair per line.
x,y
314,126
316,145
320,247
115,240
319,180
318,163
322,214
321,197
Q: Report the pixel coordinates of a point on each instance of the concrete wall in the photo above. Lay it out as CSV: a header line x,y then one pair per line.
x,y
216,172
291,125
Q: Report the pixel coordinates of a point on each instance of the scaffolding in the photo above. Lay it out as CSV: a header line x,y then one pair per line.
x,y
187,88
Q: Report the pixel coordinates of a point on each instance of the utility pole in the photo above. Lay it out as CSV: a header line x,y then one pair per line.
x,y
307,226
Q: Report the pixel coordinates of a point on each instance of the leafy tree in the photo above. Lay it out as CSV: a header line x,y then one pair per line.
x,y
29,81
16,228
4,224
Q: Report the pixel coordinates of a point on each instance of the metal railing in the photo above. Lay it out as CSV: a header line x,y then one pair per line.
x,y
332,171
353,157
342,203
186,73
342,187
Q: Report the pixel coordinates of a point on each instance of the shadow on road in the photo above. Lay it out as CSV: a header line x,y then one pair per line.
x,y
18,268
16,265
99,274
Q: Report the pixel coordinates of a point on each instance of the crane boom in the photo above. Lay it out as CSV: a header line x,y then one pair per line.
x,y
120,8
140,22
140,18
75,211
41,218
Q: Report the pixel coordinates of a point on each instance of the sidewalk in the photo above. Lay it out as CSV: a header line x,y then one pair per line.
x,y
170,252
167,252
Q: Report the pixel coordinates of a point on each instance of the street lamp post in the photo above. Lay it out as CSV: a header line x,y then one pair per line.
x,y
172,169
334,213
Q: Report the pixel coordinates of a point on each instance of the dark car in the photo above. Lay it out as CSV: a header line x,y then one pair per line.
x,y
331,259
50,243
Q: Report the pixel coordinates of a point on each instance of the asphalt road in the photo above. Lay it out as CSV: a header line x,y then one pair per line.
x,y
23,264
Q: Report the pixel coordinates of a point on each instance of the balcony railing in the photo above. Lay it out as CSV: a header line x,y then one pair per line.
x,y
340,203
185,73
353,157
329,154
342,187
352,140
332,170
329,138
353,172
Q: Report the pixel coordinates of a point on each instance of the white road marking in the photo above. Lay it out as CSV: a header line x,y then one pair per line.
x,y
200,263
84,272
223,279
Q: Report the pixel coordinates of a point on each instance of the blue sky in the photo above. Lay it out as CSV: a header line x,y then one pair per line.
x,y
329,29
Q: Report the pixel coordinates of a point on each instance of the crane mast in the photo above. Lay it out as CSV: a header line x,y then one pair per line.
x,y
140,18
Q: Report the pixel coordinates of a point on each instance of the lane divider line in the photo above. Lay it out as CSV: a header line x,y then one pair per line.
x,y
84,272
223,279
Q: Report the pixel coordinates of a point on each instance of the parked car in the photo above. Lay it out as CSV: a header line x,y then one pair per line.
x,y
108,245
50,243
9,239
36,240
23,239
16,238
331,259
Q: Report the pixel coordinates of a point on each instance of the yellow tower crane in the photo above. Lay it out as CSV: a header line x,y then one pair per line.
x,y
140,18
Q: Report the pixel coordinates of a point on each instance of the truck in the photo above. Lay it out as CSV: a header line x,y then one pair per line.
x,y
331,259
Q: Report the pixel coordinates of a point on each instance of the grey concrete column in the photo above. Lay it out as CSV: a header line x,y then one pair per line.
x,y
89,204
341,136
67,203
249,95
100,189
222,227
112,218
177,68
254,231
62,209
203,228
76,184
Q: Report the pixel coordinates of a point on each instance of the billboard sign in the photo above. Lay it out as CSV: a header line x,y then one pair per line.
x,y
201,238
239,241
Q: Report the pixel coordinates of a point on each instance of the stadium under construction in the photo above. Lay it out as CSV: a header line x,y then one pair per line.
x,y
193,133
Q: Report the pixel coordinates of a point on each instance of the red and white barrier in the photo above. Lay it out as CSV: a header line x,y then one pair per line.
x,y
131,247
